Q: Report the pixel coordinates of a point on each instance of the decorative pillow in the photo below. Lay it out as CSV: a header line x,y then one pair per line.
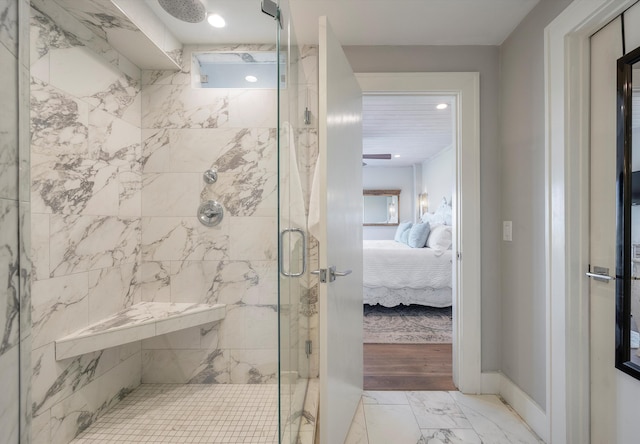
x,y
418,235
404,237
440,237
402,227
444,212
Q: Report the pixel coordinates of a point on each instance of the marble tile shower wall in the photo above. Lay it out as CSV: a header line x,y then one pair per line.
x,y
14,211
85,217
185,132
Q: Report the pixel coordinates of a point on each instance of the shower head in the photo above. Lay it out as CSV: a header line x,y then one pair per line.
x,y
191,11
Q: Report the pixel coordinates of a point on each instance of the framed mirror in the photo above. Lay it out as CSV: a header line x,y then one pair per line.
x,y
628,216
381,207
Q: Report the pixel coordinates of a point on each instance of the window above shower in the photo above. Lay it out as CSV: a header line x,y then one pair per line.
x,y
242,69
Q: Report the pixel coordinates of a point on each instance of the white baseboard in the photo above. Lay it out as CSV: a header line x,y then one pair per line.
x,y
498,384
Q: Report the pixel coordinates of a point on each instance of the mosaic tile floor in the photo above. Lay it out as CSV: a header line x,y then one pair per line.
x,y
193,413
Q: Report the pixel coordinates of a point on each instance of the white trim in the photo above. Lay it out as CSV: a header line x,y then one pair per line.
x,y
566,214
467,318
498,384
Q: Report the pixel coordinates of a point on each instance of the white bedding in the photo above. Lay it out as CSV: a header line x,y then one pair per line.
x,y
402,270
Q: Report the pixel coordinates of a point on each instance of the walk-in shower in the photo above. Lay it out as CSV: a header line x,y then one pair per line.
x,y
163,206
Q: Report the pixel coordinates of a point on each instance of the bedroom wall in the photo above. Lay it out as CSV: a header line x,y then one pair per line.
x,y
383,178
438,178
485,60
522,141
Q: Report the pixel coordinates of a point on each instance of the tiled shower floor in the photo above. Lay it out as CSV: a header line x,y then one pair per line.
x,y
191,413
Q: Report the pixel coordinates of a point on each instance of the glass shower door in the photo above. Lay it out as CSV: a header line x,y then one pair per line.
x,y
292,237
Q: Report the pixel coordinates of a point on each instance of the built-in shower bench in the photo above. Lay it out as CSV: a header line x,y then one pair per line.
x,y
140,321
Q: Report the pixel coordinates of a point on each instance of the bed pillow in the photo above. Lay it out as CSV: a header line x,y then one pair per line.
x,y
418,235
402,227
440,237
404,237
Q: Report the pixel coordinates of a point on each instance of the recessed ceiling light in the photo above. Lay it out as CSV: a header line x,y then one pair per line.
x,y
251,79
442,106
397,155
216,21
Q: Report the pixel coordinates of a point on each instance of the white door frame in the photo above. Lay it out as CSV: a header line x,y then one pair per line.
x,y
465,86
567,79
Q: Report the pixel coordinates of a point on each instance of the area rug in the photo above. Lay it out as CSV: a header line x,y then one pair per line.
x,y
413,324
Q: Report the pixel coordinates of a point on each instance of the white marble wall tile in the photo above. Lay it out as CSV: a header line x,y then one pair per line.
x,y
185,366
41,428
253,238
155,150
98,82
72,184
210,335
8,123
180,106
24,136
391,423
308,64
248,282
130,194
82,243
100,17
249,327
253,108
247,182
155,281
170,194
358,431
45,34
9,25
450,436
187,339
494,421
40,245
437,410
54,27
114,140
183,238
10,399
259,366
112,289
9,275
53,381
59,122
162,77
60,306
194,281
75,413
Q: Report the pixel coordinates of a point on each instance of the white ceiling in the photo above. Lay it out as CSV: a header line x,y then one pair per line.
x,y
407,125
362,22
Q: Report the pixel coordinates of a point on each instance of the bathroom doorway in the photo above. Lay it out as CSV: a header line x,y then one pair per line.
x,y
465,313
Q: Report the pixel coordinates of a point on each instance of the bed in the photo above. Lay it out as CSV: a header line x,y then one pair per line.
x,y
395,273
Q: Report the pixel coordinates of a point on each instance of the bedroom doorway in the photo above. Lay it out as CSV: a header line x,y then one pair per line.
x,y
422,334
408,172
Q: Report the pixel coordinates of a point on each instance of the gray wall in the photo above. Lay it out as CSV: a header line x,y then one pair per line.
x,y
485,60
522,135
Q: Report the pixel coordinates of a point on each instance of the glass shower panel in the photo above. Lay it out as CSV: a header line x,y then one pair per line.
x,y
293,270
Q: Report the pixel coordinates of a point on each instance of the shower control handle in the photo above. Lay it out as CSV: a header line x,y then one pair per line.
x,y
210,176
210,213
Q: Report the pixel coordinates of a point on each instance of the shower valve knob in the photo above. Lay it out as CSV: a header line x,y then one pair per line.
x,y
210,176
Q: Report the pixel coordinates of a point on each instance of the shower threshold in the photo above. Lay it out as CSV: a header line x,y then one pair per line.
x,y
190,413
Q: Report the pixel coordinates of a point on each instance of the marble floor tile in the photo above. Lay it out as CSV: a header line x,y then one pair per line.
x,y
437,410
436,418
391,424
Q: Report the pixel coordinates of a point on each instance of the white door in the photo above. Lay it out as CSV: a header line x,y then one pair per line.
x,y
606,48
340,237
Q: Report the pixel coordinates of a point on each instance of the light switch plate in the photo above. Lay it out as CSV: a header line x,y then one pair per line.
x,y
507,230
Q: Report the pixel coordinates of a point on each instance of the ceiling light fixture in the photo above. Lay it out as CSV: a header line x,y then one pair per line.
x,y
397,155
442,106
251,79
216,21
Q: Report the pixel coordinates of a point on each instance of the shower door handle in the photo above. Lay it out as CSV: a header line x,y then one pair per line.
x,y
304,252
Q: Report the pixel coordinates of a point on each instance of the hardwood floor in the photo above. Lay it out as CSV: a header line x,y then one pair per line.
x,y
408,367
